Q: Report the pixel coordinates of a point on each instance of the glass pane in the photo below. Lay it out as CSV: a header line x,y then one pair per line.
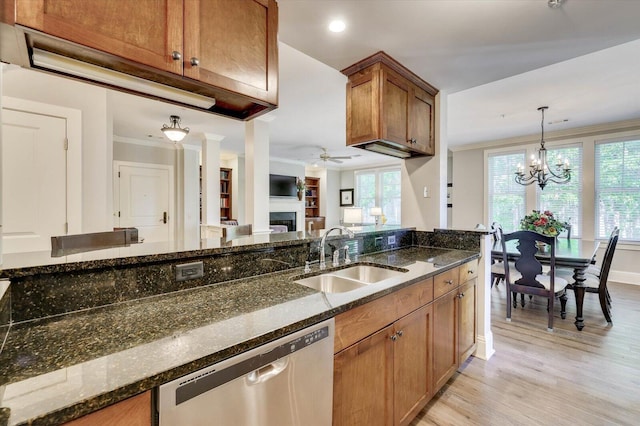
x,y
506,197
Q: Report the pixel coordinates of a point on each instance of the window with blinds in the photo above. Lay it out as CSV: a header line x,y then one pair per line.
x,y
617,188
506,198
379,188
564,200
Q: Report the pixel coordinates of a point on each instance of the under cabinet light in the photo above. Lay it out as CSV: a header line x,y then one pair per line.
x,y
381,149
63,64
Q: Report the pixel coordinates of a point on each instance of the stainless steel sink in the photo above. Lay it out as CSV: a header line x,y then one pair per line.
x,y
366,273
330,283
348,279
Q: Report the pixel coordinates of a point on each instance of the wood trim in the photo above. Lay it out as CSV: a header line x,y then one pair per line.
x,y
382,57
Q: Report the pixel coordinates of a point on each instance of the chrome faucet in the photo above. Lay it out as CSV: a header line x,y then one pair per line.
x,y
323,264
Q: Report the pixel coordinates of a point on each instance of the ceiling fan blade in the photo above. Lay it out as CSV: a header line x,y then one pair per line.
x,y
342,157
333,159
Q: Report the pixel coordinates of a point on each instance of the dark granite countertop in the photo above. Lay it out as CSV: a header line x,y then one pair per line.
x,y
60,368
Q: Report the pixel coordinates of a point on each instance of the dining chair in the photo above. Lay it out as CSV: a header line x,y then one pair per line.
x,y
596,278
232,232
529,277
497,267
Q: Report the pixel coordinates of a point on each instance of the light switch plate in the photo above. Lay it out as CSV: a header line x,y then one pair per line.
x,y
391,239
189,271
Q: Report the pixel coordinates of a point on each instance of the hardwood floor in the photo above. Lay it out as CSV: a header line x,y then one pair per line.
x,y
564,377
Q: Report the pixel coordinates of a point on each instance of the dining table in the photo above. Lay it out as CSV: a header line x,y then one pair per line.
x,y
571,253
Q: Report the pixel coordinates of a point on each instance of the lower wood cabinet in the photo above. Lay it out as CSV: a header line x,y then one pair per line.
x,y
135,411
383,360
454,313
385,378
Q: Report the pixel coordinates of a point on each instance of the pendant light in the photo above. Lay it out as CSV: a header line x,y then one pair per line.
x,y
175,133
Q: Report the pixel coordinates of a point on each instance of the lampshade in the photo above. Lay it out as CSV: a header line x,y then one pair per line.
x,y
174,132
375,211
352,215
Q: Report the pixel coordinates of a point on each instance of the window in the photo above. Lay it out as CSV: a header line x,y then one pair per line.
x,y
506,198
379,188
565,200
617,189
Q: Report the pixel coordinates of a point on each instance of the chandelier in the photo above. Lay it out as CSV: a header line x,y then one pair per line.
x,y
540,171
175,133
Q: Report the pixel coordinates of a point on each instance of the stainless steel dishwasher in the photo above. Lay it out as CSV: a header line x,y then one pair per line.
x,y
285,382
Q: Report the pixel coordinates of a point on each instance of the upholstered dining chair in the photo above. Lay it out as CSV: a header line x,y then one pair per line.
x,y
232,232
528,277
596,277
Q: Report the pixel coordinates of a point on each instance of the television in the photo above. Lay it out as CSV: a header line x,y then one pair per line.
x,y
282,186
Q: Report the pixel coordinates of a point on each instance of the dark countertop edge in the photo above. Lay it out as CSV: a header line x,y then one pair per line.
x,y
172,255
95,403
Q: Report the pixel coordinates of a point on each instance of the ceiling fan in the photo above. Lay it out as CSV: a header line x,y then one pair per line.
x,y
324,156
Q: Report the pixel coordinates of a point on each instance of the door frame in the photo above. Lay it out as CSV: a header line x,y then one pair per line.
x,y
172,184
73,119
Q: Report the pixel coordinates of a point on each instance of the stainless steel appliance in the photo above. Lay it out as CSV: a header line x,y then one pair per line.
x,y
285,382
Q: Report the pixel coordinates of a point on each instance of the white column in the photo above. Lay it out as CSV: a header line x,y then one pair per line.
x,y
484,349
211,178
256,147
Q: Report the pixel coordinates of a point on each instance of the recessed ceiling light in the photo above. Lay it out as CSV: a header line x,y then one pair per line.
x,y
554,4
337,26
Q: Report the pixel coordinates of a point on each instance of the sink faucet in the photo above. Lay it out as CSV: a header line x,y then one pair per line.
x,y
323,264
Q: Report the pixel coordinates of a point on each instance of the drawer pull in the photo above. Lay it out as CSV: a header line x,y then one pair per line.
x,y
460,296
175,55
449,282
400,333
394,337
470,271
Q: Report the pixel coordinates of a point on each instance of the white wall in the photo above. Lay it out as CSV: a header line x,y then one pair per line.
x,y
470,192
97,194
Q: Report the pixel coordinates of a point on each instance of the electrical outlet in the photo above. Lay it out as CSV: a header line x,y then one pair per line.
x,y
189,271
378,242
391,239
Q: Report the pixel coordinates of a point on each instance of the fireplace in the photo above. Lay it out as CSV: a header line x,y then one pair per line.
x,y
283,218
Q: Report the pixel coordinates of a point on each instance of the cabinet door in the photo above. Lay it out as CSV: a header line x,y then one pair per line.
x,y
144,31
421,121
467,327
363,382
412,364
445,338
363,107
395,107
233,45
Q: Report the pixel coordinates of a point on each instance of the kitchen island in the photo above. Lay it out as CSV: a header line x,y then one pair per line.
x,y
60,367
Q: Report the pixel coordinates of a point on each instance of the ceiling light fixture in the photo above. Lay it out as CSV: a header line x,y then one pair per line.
x,y
555,4
174,132
539,170
337,26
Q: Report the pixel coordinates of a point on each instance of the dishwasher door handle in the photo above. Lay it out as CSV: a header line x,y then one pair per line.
x,y
267,372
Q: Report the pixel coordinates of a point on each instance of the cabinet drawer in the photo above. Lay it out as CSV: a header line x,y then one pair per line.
x,y
445,282
362,321
468,271
411,298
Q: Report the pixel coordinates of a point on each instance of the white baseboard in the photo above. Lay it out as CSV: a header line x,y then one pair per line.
x,y
624,277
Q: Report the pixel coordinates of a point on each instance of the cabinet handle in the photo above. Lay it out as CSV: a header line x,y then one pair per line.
x,y
195,62
400,333
460,296
175,55
449,282
470,271
394,337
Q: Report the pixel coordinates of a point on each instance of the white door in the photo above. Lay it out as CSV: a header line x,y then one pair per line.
x,y
34,173
144,200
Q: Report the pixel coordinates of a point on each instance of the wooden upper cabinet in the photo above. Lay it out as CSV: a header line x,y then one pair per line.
x,y
144,31
225,50
395,107
421,121
233,46
388,104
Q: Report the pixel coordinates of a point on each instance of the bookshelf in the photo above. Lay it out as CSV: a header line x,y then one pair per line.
x,y
225,193
312,197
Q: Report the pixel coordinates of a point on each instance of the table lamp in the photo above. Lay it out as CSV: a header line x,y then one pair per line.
x,y
352,215
376,212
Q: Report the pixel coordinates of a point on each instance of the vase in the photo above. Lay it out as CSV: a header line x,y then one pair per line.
x,y
542,247
299,195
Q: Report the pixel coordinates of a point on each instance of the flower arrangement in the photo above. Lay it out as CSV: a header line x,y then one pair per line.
x,y
543,223
300,184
